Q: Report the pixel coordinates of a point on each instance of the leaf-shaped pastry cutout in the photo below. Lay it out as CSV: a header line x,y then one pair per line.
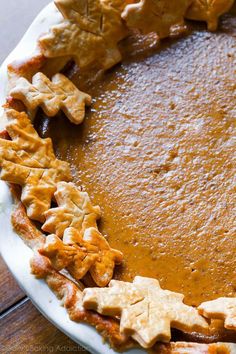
x,y
155,15
146,311
52,96
89,34
223,308
74,210
80,254
29,161
209,11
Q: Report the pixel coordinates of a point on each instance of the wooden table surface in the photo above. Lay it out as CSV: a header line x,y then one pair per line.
x,y
22,328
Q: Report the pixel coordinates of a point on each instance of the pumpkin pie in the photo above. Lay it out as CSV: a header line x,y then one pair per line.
x,y
127,195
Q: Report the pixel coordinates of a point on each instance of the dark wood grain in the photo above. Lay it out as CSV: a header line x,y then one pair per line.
x,y
10,293
25,330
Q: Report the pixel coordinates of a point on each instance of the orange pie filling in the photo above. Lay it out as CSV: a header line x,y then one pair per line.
x,y
157,153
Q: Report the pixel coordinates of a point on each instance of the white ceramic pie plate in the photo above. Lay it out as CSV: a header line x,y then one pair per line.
x,y
15,253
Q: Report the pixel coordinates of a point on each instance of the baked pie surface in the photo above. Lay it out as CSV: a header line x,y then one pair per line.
x,y
156,152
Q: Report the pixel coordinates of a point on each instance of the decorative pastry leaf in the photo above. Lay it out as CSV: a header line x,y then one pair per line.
x,y
155,15
74,210
80,254
223,308
30,162
209,11
89,34
146,311
70,295
51,96
83,247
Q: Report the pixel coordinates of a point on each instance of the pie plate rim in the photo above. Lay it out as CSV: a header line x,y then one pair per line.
x,y
11,246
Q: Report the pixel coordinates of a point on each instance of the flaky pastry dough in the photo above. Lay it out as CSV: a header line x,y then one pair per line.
x,y
146,311
52,96
29,161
